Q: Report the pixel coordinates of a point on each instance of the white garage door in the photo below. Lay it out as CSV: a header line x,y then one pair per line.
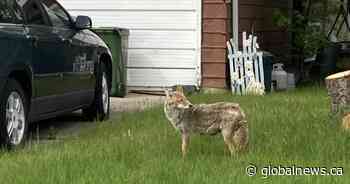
x,y
165,37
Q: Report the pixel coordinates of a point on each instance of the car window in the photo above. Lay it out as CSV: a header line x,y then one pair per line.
x,y
10,12
32,12
58,17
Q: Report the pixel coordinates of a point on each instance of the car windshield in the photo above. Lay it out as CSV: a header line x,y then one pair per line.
x,y
10,12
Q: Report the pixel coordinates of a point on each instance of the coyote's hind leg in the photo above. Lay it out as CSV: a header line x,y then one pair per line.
x,y
185,141
240,138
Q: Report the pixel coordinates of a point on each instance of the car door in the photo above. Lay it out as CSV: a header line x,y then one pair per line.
x,y
63,27
79,70
48,59
79,52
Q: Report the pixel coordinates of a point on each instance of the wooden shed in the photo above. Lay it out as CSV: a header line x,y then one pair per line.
x,y
222,18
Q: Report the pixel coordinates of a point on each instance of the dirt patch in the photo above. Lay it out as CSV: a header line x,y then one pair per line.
x,y
135,102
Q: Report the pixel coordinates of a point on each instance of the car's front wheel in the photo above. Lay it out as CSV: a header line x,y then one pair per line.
x,y
100,108
13,115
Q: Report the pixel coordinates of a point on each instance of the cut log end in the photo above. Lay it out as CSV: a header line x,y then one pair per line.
x,y
339,75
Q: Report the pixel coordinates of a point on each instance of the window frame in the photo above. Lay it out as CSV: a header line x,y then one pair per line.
x,y
43,13
71,25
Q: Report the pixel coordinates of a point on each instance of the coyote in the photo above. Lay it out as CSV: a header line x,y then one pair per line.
x,y
208,119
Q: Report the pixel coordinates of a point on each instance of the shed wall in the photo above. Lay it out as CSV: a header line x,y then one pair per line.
x,y
215,33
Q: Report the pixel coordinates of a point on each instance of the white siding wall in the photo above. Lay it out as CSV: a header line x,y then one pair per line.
x,y
164,47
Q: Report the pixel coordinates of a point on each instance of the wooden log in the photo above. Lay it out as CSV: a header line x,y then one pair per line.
x,y
338,86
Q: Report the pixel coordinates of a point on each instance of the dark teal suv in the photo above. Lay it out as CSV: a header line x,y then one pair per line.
x,y
50,64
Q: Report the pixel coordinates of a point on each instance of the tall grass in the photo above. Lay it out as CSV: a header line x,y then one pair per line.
x,y
292,128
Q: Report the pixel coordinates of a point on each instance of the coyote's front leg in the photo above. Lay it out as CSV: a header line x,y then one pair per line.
x,y
227,134
185,141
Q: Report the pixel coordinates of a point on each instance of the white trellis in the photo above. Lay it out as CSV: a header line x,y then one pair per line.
x,y
246,67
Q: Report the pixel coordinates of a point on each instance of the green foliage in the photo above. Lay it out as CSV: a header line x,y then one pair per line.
x,y
308,25
280,19
285,129
311,40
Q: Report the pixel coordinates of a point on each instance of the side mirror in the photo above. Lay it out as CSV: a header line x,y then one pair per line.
x,y
83,22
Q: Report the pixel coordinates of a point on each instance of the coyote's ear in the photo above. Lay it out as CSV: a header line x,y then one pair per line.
x,y
180,89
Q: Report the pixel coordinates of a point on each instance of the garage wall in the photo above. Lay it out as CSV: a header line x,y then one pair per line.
x,y
165,37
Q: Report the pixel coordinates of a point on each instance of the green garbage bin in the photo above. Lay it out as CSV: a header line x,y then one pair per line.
x,y
117,40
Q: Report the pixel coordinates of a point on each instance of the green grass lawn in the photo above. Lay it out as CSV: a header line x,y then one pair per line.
x,y
293,128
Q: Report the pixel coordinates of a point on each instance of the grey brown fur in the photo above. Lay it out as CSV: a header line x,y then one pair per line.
x,y
208,119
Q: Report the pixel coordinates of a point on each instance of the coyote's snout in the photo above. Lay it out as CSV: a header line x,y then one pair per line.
x,y
210,119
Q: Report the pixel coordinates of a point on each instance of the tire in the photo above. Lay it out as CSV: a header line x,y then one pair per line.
x,y
100,108
13,116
